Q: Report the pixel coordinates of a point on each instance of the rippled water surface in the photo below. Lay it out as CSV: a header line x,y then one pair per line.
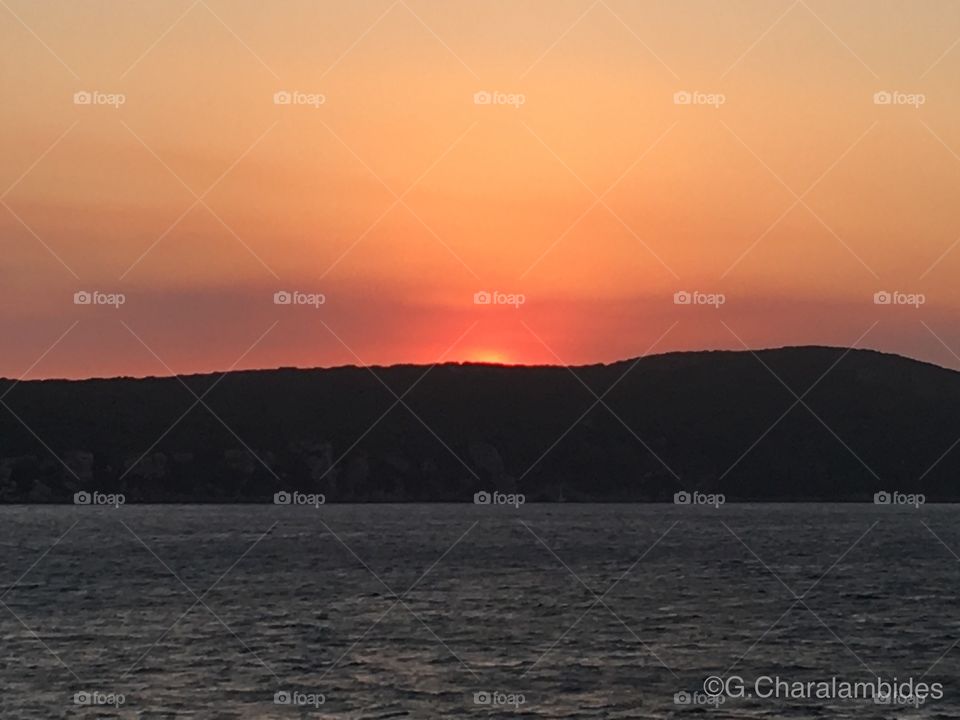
x,y
382,611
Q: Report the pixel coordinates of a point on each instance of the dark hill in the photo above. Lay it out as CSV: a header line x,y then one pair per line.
x,y
717,421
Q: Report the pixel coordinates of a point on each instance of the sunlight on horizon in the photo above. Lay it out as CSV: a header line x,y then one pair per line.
x,y
599,161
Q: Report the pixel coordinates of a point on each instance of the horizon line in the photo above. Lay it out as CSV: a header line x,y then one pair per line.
x,y
478,363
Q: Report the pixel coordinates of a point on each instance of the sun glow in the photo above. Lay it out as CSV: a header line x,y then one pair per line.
x,y
488,356
499,198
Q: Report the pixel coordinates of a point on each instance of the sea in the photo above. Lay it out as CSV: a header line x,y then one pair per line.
x,y
491,611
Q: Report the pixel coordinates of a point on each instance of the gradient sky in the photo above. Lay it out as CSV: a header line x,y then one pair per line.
x,y
398,198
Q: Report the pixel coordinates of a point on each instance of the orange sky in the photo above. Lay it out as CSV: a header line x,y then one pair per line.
x,y
587,186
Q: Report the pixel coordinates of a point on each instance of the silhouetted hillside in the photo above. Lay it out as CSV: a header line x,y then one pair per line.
x,y
715,421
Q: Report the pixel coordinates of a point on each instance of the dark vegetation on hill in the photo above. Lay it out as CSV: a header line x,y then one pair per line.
x,y
714,421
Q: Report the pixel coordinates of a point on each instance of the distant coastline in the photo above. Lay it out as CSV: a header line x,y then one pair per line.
x,y
787,425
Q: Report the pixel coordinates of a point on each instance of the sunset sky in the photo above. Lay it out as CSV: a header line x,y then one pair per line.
x,y
588,186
